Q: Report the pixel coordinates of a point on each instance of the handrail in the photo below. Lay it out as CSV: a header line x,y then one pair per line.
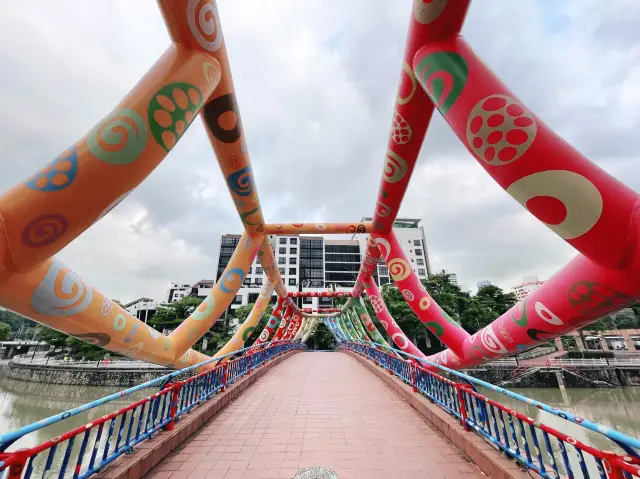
x,y
175,398
505,427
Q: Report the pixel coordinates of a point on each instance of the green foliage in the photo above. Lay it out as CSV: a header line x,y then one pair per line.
x,y
625,319
321,338
17,324
52,337
172,315
5,331
79,349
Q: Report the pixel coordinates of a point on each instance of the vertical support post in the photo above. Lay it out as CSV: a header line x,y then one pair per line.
x,y
389,364
250,359
413,377
174,404
463,409
225,372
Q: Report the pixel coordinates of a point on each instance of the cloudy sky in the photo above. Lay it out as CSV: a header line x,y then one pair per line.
x,y
316,81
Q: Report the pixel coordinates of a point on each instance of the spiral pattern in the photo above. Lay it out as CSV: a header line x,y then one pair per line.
x,y
395,168
351,229
384,247
408,295
248,243
204,22
241,182
120,138
204,309
490,341
61,292
399,269
44,230
264,336
231,281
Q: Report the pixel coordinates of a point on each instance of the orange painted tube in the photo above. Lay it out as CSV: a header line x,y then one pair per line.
x,y
45,213
315,228
222,294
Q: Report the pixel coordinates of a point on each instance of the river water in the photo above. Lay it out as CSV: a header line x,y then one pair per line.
x,y
23,403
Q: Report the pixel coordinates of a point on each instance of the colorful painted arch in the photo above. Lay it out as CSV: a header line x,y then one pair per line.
x,y
588,208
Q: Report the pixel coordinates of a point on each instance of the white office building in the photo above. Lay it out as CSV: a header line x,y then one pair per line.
x,y
142,308
314,263
528,285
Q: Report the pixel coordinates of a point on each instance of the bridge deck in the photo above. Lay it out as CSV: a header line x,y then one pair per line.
x,y
317,409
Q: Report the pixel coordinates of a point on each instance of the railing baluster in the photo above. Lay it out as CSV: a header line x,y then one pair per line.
x,y
550,454
536,448
83,448
96,445
65,460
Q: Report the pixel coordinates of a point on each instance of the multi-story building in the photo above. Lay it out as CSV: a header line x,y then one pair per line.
x,y
483,283
177,291
528,285
142,308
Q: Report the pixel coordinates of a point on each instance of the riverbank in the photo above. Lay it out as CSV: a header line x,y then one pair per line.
x,y
115,374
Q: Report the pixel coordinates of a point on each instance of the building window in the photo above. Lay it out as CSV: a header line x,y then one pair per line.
x,y
281,270
293,250
292,281
293,261
247,282
420,262
383,271
282,260
258,281
416,243
282,241
292,271
383,280
293,240
418,252
237,299
422,272
259,270
282,250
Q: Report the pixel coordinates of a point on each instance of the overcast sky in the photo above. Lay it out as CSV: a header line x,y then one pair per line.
x,y
316,82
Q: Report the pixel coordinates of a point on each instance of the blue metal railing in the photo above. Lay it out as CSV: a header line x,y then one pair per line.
x,y
93,446
539,447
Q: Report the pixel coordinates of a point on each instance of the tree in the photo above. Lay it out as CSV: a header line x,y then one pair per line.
x,y
321,338
81,350
5,331
18,323
488,304
173,314
52,337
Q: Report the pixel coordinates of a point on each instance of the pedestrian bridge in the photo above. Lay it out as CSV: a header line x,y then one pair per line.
x,y
276,410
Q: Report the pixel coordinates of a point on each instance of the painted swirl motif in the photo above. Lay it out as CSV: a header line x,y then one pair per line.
x,y
204,22
569,204
351,229
248,243
231,281
58,174
120,138
222,118
264,336
119,322
96,339
490,341
382,210
408,295
204,309
241,182
399,269
519,314
246,217
384,247
546,314
400,129
44,230
246,333
171,111
428,12
408,79
321,227
591,298
395,168
361,228
443,76
61,292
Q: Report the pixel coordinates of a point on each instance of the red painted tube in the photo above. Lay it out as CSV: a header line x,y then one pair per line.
x,y
419,300
317,294
371,255
282,327
430,21
270,327
590,209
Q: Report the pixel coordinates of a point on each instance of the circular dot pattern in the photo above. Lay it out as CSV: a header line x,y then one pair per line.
x,y
500,130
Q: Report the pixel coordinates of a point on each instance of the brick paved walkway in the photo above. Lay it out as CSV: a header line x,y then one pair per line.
x,y
317,409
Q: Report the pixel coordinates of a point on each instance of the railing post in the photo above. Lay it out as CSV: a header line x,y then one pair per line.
x,y
250,359
389,364
264,356
174,404
413,376
462,403
225,372
610,470
17,467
